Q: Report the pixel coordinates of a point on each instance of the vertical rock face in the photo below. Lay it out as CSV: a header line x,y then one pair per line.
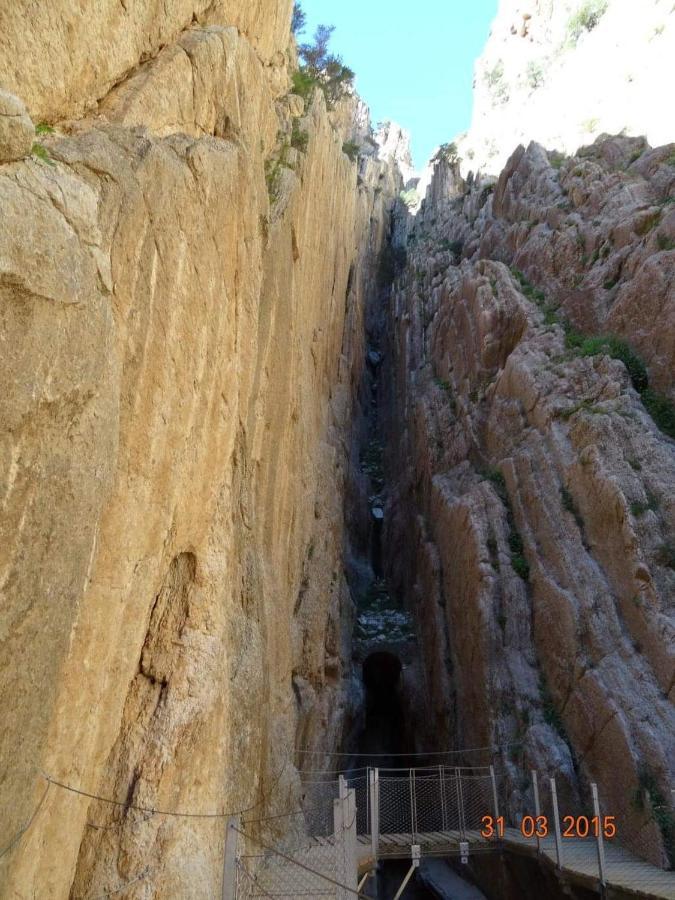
x,y
187,272
563,72
62,62
182,302
533,528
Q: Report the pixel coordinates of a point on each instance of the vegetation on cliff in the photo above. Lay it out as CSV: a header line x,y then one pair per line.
x,y
320,68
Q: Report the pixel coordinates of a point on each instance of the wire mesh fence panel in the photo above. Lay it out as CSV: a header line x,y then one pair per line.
x,y
318,806
427,805
244,883
477,801
360,786
307,872
395,804
450,798
276,877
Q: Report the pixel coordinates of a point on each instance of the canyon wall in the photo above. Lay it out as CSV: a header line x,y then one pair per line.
x,y
561,72
184,269
533,526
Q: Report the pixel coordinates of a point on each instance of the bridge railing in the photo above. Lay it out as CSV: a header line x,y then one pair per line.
x,y
320,866
444,810
414,802
622,846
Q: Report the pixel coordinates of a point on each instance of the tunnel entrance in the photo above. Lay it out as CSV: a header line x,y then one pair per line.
x,y
381,675
385,730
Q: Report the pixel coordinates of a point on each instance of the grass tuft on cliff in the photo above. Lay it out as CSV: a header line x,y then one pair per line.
x,y
661,813
519,563
39,151
299,138
551,715
586,18
659,407
351,149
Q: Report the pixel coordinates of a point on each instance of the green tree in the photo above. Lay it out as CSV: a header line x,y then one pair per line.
x,y
325,69
299,19
447,153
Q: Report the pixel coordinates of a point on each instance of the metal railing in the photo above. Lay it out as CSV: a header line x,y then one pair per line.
x,y
452,810
621,847
318,866
439,799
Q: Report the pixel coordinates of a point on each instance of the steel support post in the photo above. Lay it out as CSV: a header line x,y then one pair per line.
x,y
352,866
600,839
230,859
556,822
460,802
339,838
537,805
413,806
374,796
495,798
444,813
416,852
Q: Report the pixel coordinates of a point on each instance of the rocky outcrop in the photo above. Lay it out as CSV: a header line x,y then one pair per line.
x,y
594,233
183,293
16,129
561,73
533,527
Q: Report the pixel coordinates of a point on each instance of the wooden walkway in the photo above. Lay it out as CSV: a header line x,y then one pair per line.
x,y
625,872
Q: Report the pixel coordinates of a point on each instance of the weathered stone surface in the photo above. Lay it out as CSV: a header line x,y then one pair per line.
x,y
17,132
533,524
593,232
62,61
183,338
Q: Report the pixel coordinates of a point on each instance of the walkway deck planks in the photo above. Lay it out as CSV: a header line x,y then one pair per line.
x,y
579,864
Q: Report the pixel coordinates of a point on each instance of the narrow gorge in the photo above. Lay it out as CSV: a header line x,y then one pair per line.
x,y
312,465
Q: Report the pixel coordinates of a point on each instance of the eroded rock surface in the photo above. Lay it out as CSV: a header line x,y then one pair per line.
x,y
533,527
16,129
182,301
62,60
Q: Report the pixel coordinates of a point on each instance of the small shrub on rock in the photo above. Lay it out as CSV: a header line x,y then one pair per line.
x,y
410,198
351,149
323,69
299,19
446,153
534,74
299,138
586,18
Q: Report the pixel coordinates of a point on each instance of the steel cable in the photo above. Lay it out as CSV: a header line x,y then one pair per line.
x,y
296,862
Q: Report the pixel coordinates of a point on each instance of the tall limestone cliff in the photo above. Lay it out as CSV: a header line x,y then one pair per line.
x,y
191,270
184,267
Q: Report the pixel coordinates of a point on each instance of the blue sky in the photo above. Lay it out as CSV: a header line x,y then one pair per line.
x,y
413,61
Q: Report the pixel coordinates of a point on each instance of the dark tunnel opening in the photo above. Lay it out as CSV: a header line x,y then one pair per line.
x,y
385,729
381,676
